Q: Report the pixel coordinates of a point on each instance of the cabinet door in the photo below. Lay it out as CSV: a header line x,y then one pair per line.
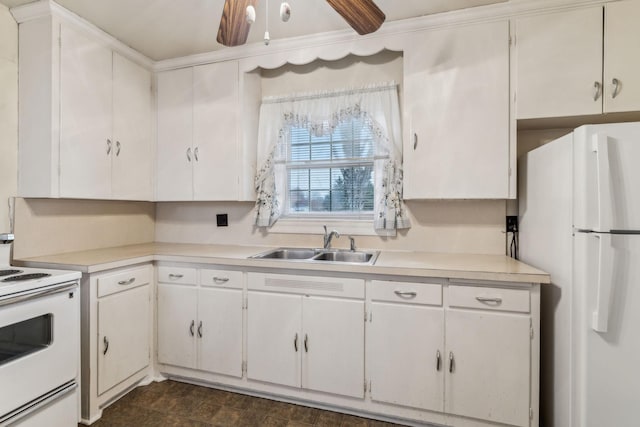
x,y
85,117
457,100
490,372
177,306
215,133
333,345
405,355
219,331
131,169
274,340
123,336
622,56
175,135
559,64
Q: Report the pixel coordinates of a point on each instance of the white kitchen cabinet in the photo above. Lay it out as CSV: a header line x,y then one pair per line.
x,y
201,327
84,119
564,67
488,354
117,315
457,122
198,143
405,344
123,337
314,342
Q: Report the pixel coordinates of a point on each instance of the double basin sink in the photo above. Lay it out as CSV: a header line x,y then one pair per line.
x,y
320,255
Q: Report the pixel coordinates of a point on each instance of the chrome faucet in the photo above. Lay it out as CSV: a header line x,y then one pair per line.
x,y
352,244
329,236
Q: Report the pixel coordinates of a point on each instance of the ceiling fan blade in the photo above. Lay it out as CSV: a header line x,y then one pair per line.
x,y
234,28
363,15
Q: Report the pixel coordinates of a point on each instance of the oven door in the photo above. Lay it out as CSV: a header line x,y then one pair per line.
x,y
39,343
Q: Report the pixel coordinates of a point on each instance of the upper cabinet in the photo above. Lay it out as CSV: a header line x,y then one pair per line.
x,y
564,66
198,138
457,123
84,119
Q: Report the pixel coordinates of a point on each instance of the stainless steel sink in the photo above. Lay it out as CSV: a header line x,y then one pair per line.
x,y
344,256
319,255
288,253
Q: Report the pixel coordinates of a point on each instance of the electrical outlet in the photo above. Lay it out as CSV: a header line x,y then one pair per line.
x,y
222,220
512,224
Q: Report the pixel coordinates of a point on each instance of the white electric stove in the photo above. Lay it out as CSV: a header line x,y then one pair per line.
x,y
39,329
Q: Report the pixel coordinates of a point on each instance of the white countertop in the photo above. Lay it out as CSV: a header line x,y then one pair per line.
x,y
396,263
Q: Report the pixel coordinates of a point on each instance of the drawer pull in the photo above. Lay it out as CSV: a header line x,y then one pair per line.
x,y
221,279
597,90
105,340
193,323
306,343
127,282
200,329
295,342
407,295
438,360
175,276
488,300
450,361
616,87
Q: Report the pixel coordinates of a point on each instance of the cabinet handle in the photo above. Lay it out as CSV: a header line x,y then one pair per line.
x,y
193,323
450,361
200,329
438,360
109,144
221,279
127,282
295,342
616,87
407,295
488,300
189,153
306,343
415,141
176,276
195,154
597,90
106,345
118,148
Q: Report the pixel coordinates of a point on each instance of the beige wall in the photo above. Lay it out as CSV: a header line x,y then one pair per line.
x,y
8,114
48,226
456,226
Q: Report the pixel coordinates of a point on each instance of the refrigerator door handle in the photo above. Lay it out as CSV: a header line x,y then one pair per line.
x,y
600,145
600,318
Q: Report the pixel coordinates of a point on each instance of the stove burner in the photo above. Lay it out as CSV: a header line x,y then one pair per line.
x,y
9,272
23,277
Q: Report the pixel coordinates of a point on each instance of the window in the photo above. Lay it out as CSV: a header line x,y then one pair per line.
x,y
330,174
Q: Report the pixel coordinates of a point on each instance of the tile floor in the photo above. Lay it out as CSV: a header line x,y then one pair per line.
x,y
171,403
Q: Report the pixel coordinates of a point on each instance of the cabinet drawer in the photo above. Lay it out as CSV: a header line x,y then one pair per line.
x,y
489,298
221,278
179,275
405,292
123,280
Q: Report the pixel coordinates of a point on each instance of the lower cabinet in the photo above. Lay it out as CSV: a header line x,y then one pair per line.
x,y
116,327
470,357
200,321
405,344
299,339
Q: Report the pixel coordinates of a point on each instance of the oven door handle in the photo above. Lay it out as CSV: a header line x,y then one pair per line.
x,y
37,293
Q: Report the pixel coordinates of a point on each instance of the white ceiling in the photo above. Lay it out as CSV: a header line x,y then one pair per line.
x,y
163,29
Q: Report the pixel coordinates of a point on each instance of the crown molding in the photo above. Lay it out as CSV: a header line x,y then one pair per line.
x,y
48,8
347,42
304,49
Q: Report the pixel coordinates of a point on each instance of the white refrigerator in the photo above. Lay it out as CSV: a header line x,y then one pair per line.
x,y
579,208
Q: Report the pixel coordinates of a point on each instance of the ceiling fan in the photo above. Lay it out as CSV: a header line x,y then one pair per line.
x,y
363,16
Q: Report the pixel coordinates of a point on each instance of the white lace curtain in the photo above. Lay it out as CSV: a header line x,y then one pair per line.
x,y
321,112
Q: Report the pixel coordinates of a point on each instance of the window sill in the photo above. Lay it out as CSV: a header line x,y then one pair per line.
x,y
346,227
